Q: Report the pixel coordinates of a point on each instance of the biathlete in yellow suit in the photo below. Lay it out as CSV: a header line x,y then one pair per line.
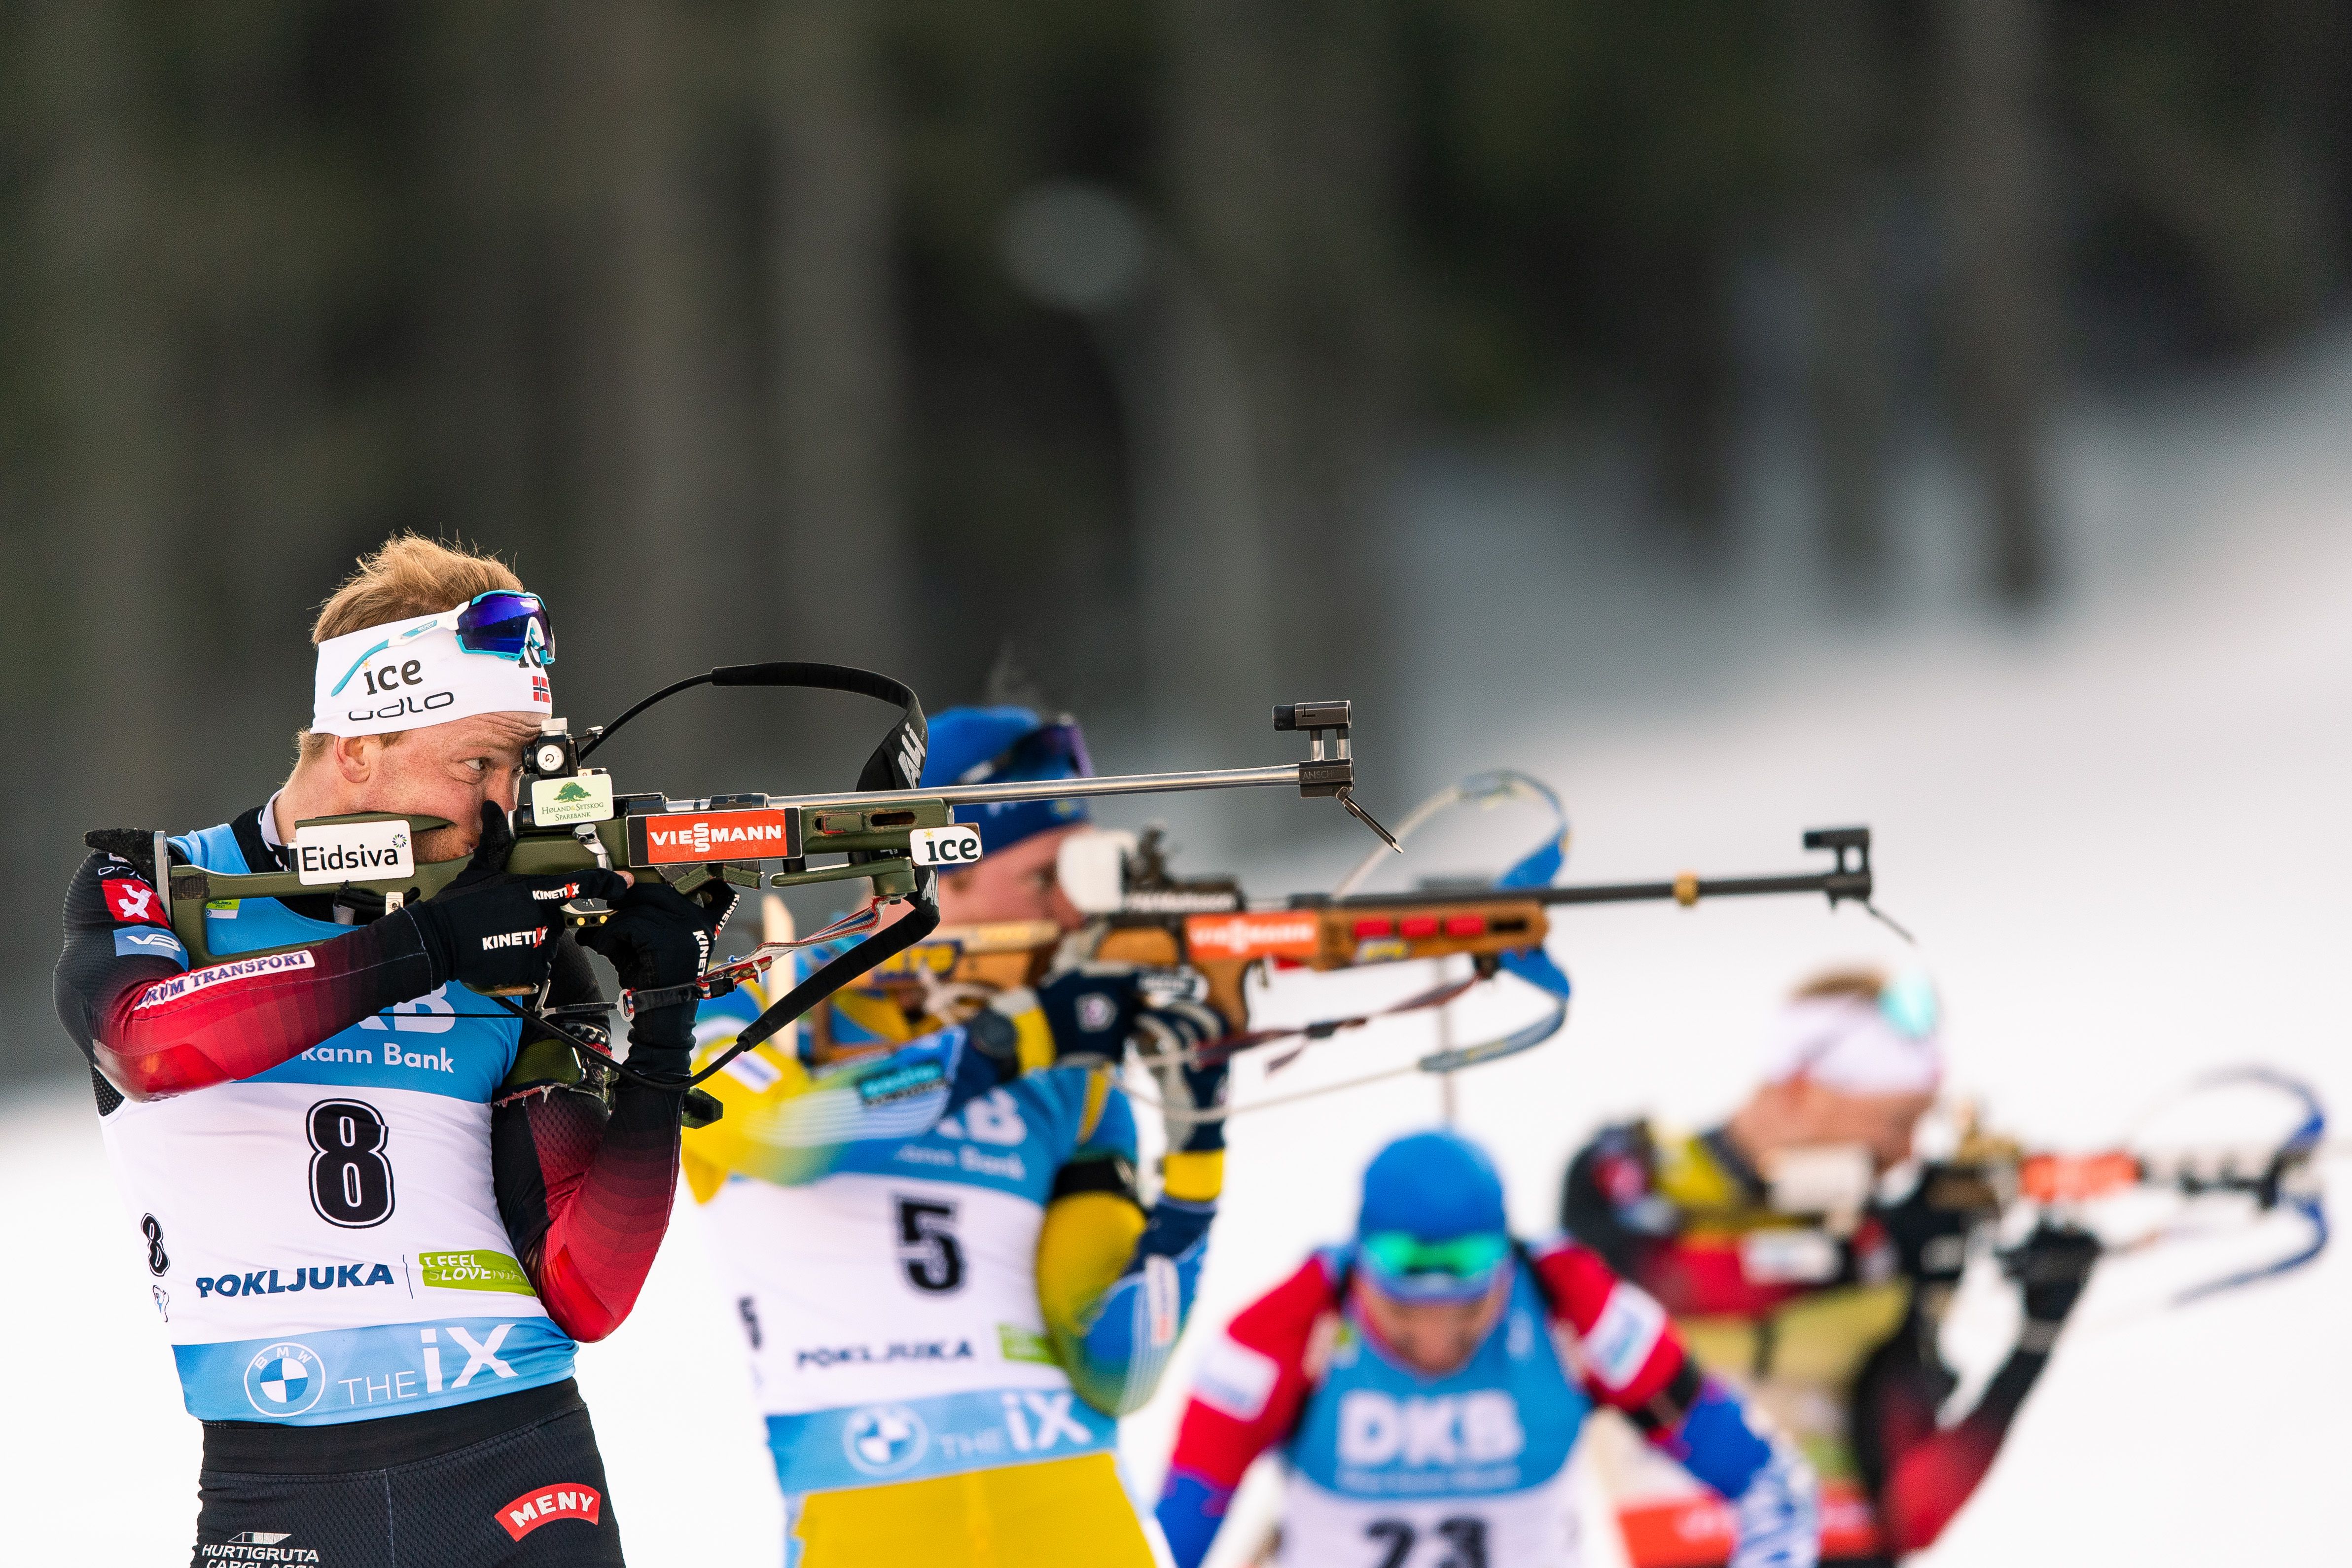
x,y
930,1231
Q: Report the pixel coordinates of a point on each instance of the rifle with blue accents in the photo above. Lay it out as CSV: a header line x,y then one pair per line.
x,y
1206,932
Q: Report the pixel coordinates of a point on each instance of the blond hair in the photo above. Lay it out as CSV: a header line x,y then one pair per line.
x,y
406,576
1860,982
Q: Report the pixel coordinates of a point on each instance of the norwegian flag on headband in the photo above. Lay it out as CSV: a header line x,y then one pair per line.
x,y
128,898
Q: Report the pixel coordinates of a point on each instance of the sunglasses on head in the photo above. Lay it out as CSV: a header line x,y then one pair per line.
x,y
1056,746
502,622
508,625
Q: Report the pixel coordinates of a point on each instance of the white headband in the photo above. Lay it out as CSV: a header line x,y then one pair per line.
x,y
407,674
1848,1043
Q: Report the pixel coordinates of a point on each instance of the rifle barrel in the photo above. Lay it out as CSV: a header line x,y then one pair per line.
x,y
1063,789
1842,884
1837,885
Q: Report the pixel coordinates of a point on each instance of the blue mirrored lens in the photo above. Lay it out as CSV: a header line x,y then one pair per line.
x,y
507,623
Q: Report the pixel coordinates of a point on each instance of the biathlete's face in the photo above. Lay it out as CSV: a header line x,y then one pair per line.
x,y
1432,1339
1799,1113
440,770
1014,884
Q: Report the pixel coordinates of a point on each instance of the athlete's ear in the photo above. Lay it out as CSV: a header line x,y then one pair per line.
x,y
355,757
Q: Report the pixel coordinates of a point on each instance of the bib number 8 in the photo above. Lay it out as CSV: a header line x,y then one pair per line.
x,y
351,1181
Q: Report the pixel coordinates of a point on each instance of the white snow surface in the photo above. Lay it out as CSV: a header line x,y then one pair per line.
x,y
2121,839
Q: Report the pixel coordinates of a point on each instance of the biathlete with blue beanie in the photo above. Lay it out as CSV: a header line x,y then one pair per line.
x,y
927,1219
1427,1382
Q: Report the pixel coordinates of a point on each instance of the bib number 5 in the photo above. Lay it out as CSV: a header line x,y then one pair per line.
x,y
928,1249
351,1181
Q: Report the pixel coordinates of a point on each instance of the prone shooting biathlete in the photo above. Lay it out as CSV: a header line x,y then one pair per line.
x,y
377,1210
1802,1268
925,1217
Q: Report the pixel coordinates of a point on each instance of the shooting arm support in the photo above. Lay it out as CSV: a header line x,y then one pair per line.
x,y
155,1027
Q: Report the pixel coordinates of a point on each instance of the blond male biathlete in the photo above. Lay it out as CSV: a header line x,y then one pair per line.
x,y
377,1211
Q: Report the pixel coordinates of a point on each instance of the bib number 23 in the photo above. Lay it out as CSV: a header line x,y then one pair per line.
x,y
1464,1540
351,1181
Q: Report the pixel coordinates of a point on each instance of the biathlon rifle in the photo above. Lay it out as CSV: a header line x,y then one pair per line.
x,y
889,832
2282,1177
1141,913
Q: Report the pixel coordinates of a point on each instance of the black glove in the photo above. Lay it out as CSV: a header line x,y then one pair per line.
x,y
1091,1010
1164,1035
2051,1267
493,931
1929,1228
659,938
1095,1008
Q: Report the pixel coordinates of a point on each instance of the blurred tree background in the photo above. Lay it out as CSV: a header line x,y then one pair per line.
x,y
909,333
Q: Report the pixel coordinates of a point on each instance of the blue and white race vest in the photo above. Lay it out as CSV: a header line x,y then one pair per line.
x,y
1391,1469
335,1249
891,1305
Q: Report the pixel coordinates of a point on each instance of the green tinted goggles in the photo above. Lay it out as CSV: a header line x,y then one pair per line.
x,y
1403,1264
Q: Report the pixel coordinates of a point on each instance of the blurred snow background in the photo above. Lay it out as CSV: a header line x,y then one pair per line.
x,y
2120,837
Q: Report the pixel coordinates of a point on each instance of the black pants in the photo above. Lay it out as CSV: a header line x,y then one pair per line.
x,y
498,1483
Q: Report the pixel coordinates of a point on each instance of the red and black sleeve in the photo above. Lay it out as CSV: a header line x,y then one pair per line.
x,y
585,1188
155,1028
1919,1472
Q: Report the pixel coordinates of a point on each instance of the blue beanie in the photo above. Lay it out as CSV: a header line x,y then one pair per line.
x,y
1434,1186
981,745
